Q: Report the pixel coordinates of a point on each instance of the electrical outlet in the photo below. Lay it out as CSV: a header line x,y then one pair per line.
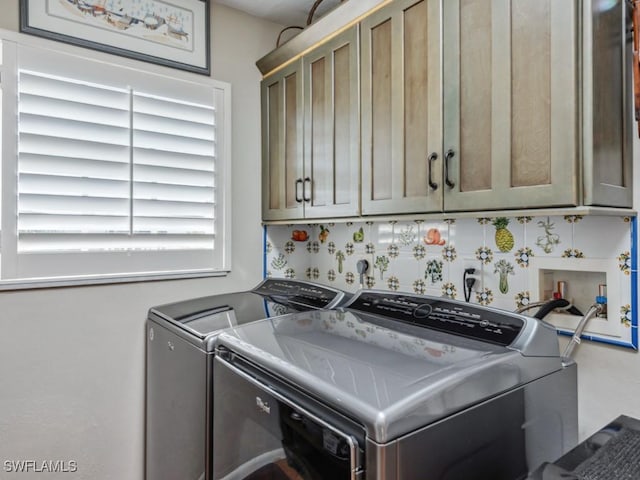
x,y
472,263
363,267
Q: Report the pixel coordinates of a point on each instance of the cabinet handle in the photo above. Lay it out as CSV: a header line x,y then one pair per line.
x,y
304,190
448,156
432,158
298,183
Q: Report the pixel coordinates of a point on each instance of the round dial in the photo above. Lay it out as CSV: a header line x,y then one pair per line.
x,y
422,311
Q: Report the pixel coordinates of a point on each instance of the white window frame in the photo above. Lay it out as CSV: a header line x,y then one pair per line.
x,y
31,270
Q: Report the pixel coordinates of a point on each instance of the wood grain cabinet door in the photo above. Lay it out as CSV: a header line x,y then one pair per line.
x,y
282,144
402,108
608,117
510,104
332,128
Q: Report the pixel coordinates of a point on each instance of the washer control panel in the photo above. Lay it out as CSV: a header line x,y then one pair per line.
x,y
290,292
450,316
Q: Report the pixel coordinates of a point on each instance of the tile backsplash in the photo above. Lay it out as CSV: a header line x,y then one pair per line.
x,y
430,257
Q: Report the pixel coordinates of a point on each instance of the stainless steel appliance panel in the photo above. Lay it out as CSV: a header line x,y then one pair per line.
x,y
175,423
381,371
503,438
261,433
180,350
427,388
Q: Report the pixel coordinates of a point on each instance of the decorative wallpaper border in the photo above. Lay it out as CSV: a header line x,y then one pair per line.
x,y
431,257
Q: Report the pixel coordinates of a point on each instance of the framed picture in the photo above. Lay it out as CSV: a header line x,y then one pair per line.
x,y
174,33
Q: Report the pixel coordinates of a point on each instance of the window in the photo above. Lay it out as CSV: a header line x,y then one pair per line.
x,y
110,171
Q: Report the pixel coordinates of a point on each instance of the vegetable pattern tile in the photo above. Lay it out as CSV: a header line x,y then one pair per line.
x,y
429,257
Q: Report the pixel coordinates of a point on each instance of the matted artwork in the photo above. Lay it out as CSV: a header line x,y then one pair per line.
x,y
173,33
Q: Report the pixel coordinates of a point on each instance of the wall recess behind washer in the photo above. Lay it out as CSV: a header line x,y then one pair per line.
x,y
583,278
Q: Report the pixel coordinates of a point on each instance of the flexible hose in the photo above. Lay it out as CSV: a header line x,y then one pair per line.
x,y
575,340
550,306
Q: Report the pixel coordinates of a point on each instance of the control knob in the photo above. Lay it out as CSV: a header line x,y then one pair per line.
x,y
422,311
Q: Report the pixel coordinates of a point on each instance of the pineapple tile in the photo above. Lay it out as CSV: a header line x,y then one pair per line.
x,y
508,234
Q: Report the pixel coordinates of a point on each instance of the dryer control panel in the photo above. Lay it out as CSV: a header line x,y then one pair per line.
x,y
450,316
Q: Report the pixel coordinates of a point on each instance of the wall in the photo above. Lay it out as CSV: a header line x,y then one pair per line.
x,y
608,377
72,359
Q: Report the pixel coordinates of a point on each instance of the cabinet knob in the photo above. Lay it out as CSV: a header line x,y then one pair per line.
x,y
448,156
432,158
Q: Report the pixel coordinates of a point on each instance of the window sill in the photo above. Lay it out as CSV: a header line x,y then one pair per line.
x,y
41,283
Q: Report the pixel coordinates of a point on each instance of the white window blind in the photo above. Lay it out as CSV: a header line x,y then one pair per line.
x,y
73,164
173,201
118,171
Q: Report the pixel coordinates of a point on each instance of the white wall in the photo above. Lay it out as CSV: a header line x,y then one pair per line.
x,y
72,359
609,377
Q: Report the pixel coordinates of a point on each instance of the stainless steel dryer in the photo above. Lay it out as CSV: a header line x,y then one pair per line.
x,y
393,387
180,339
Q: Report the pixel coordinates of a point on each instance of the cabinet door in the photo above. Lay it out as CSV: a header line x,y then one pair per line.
x,y
510,103
332,128
401,108
282,144
608,118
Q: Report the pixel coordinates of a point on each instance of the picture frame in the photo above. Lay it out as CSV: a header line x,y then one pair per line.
x,y
173,33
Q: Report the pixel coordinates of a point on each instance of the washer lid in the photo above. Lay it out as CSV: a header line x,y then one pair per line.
x,y
204,316
390,376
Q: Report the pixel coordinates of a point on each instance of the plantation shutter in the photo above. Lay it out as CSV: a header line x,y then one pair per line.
x,y
73,164
173,172
118,170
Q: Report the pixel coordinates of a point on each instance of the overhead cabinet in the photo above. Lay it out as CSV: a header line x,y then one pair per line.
x,y
313,171
402,109
474,105
511,104
607,120
282,144
524,126
509,135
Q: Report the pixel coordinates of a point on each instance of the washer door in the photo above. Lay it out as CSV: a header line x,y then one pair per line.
x,y
261,433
